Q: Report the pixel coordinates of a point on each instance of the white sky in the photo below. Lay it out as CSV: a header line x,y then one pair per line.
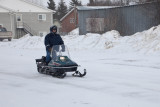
x,y
84,2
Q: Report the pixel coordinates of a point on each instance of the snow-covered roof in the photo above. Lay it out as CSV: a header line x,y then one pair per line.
x,y
23,6
94,7
87,8
67,14
4,9
109,7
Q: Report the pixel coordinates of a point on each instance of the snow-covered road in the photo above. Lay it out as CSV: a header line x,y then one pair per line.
x,y
121,72
113,80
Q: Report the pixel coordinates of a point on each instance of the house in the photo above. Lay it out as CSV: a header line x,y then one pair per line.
x,y
69,22
127,20
22,17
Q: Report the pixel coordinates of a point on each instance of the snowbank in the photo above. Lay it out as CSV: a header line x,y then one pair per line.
x,y
92,41
145,42
26,42
74,32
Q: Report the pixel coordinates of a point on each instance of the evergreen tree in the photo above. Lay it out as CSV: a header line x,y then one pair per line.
x,y
91,3
62,9
74,3
51,5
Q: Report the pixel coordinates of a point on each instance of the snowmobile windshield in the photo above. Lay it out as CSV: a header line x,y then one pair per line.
x,y
59,51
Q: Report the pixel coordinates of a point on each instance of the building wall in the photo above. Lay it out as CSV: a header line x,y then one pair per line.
x,y
127,20
7,20
66,25
31,20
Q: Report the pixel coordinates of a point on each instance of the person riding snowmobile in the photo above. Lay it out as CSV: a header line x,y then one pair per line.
x,y
51,40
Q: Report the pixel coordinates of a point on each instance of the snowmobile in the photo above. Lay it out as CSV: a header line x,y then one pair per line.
x,y
60,63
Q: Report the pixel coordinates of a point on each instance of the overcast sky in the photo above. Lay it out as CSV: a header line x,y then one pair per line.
x,y
84,2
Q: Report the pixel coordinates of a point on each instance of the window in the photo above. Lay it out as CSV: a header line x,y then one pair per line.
x,y
71,20
19,17
41,34
41,16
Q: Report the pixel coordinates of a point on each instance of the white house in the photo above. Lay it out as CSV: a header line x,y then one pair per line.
x,y
21,17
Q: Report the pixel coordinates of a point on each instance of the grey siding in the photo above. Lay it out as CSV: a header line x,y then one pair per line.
x,y
31,20
5,20
8,22
127,20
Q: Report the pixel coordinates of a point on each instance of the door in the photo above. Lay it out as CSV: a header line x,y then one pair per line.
x,y
19,20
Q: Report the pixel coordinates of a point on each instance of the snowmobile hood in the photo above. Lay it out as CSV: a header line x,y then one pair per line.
x,y
62,61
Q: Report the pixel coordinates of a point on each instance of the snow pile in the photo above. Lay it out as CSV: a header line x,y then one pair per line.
x,y
132,3
145,42
74,32
26,42
92,41
30,42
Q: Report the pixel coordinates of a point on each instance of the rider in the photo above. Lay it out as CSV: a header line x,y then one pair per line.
x,y
51,40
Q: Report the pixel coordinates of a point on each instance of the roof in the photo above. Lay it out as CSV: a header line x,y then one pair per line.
x,y
4,9
87,8
111,7
97,8
67,14
23,6
94,7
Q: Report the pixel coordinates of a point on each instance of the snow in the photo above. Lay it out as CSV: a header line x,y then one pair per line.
x,y
121,72
74,32
95,7
133,3
23,6
142,42
3,10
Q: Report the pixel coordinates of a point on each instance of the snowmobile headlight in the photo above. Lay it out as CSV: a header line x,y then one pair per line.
x,y
62,58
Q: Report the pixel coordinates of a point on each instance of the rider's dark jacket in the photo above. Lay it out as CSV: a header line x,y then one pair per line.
x,y
52,39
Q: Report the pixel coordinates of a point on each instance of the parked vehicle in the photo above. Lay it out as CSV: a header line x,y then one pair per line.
x,y
4,34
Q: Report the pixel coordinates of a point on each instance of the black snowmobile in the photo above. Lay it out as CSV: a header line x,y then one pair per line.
x,y
60,63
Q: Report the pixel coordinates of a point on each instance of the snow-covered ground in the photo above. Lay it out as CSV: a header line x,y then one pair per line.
x,y
121,72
